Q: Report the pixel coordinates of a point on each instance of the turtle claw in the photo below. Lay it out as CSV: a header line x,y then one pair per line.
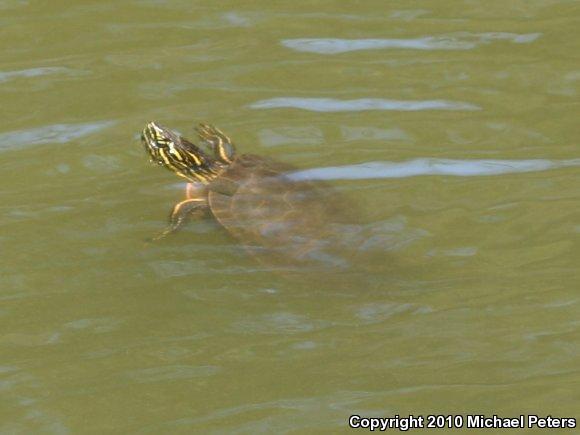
x,y
211,134
218,141
180,214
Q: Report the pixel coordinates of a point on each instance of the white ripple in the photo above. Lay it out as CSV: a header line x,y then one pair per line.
x,y
454,41
33,72
56,133
430,166
334,105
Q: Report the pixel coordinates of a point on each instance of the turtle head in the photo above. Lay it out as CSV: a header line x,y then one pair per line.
x,y
171,150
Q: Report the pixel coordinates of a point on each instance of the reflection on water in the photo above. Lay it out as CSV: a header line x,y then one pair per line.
x,y
33,72
456,41
362,104
430,166
57,133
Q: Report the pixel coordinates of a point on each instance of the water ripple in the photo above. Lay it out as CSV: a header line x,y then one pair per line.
x,y
334,105
56,133
430,166
33,72
172,373
457,41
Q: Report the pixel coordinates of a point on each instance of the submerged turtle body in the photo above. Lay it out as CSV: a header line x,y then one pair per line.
x,y
275,217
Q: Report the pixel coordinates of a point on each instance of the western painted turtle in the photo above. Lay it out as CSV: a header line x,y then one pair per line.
x,y
281,220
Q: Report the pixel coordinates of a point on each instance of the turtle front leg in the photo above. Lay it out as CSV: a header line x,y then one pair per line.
x,y
181,213
220,143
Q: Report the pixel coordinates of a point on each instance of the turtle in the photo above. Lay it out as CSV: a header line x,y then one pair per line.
x,y
277,218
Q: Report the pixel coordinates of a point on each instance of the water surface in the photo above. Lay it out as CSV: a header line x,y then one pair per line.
x,y
450,129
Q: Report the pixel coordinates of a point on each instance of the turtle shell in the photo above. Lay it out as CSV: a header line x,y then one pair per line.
x,y
277,218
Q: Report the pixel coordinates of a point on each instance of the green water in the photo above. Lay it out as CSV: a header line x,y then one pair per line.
x,y
464,117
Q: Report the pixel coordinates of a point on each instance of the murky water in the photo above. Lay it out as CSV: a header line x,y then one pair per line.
x,y
450,129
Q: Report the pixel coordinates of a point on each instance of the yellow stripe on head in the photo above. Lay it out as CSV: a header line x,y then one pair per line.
x,y
179,155
175,152
194,157
163,155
